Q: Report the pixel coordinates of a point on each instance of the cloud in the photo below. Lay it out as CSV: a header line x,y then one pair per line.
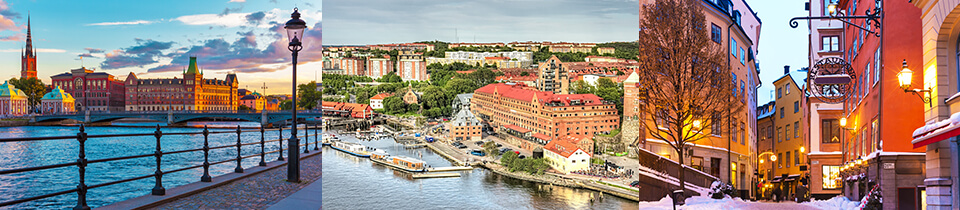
x,y
144,53
93,50
227,11
256,17
87,55
6,11
238,1
13,38
136,22
229,20
244,55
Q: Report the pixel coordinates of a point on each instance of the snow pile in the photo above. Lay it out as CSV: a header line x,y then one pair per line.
x,y
936,126
707,203
838,202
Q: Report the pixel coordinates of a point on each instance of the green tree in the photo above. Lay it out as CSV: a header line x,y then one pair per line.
x,y
244,107
308,95
394,105
33,87
490,147
286,104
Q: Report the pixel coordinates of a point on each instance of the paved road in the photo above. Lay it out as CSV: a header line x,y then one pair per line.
x,y
255,192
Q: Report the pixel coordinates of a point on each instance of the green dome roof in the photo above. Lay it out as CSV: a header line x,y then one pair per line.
x,y
7,90
57,94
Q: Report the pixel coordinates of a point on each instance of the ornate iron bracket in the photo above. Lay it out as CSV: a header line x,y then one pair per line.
x,y
872,16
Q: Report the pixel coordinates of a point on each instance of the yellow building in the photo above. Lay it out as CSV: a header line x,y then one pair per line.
x,y
788,141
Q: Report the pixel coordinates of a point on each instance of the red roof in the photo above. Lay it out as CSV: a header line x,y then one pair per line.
x,y
356,110
496,58
381,96
563,148
518,93
516,128
577,138
542,137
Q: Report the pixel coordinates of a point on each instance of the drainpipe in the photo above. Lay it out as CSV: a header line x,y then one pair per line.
x,y
729,120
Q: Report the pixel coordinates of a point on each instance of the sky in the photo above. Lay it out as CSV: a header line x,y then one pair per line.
x,y
779,44
154,39
351,22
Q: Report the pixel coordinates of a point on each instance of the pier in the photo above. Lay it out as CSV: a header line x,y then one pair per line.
x,y
435,175
451,168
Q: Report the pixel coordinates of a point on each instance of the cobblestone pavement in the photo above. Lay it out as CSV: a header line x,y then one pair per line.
x,y
254,192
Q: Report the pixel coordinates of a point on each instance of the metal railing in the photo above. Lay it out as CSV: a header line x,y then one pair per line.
x,y
158,188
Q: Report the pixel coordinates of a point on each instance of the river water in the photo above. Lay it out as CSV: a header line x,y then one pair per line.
x,y
48,152
356,183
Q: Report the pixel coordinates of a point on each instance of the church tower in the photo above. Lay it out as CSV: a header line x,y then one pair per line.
x,y
28,59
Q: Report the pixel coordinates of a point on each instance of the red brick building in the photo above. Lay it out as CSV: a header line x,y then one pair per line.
x,y
543,112
379,66
192,92
28,60
93,91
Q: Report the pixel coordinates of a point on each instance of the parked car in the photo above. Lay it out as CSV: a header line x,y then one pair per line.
x,y
478,153
635,184
499,145
522,157
429,139
505,150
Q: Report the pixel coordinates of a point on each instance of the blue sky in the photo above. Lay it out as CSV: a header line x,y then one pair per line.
x,y
779,44
155,38
351,22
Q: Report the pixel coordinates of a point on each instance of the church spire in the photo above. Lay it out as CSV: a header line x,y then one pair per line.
x,y
29,38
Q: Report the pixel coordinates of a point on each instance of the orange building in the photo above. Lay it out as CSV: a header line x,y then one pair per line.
x,y
544,113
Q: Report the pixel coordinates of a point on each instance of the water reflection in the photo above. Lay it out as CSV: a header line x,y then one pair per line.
x,y
41,153
353,183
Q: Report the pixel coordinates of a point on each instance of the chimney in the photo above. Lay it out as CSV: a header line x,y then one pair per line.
x,y
786,69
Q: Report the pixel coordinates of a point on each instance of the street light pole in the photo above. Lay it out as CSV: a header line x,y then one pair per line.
x,y
294,29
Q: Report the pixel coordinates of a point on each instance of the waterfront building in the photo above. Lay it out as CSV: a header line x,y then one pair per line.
x,y
28,58
13,101
57,101
273,104
582,141
937,71
93,91
402,47
506,106
376,102
565,157
192,92
341,109
254,101
465,126
379,66
730,152
553,76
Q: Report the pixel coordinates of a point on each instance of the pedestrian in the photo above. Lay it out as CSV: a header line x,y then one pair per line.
x,y
776,194
801,193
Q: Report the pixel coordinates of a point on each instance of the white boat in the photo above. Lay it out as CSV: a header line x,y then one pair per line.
x,y
328,139
398,162
358,150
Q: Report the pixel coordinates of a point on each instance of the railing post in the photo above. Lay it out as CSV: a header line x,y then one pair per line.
x,y
306,139
239,168
280,142
206,156
316,137
158,188
82,164
263,153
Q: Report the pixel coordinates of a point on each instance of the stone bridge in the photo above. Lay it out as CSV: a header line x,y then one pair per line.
x,y
174,117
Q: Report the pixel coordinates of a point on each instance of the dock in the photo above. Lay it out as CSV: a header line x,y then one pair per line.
x,y
451,168
435,175
414,146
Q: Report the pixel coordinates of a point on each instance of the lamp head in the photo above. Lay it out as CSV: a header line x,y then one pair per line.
x,y
905,77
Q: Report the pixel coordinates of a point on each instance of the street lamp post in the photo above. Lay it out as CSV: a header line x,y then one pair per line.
x,y
294,27
905,78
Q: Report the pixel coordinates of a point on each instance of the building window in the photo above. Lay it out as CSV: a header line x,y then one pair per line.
x,y
696,163
743,133
779,93
831,175
796,158
780,160
715,33
876,66
796,129
733,174
788,159
743,56
874,137
781,112
779,137
830,44
733,47
715,122
829,131
786,135
796,106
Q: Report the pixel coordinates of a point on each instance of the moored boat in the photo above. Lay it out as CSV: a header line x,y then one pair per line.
x,y
398,162
355,149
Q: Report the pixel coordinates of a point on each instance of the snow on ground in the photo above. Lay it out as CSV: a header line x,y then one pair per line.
x,y
707,203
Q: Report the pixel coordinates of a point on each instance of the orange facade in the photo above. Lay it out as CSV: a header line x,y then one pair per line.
x,y
543,112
